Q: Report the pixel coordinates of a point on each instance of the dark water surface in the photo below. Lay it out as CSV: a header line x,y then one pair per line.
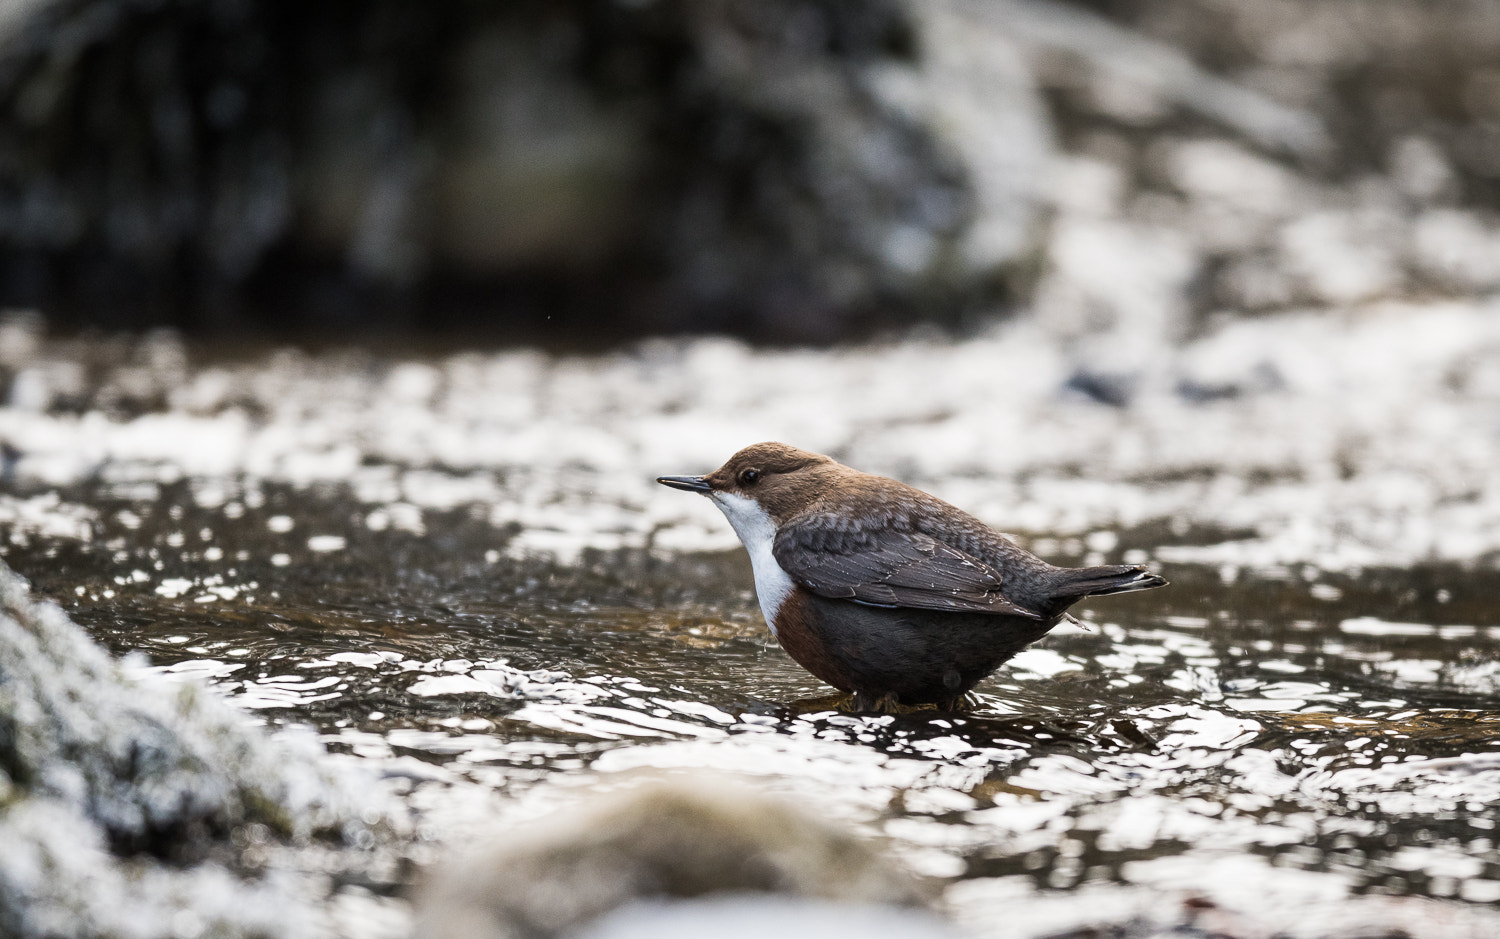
x,y
1211,738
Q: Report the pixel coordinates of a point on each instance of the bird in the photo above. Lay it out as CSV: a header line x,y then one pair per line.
x,y
896,598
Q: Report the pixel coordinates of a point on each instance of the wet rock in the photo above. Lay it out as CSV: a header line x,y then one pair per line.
x,y
1225,365
791,169
119,796
1111,388
699,838
9,456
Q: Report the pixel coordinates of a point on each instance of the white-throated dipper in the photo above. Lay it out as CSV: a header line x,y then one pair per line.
x,y
882,590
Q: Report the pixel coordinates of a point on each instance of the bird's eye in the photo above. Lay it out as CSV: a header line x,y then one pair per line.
x,y
749,477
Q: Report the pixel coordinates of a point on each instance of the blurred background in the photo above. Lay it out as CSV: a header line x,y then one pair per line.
x,y
785,170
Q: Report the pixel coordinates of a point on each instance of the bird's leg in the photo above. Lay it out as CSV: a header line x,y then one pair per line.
x,y
961,704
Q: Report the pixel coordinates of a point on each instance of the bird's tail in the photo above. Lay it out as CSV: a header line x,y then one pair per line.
x,y
1074,583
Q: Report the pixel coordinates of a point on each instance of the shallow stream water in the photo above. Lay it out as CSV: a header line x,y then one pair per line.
x,y
1258,740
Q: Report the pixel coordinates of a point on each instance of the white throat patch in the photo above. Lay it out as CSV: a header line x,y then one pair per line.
x,y
757,532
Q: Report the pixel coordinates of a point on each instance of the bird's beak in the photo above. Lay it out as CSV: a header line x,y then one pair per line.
x,y
687,483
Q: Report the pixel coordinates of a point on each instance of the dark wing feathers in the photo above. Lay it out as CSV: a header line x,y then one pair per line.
x,y
891,568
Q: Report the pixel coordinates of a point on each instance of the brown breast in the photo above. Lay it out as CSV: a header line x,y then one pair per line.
x,y
797,635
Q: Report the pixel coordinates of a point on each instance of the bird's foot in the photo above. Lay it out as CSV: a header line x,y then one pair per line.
x,y
961,704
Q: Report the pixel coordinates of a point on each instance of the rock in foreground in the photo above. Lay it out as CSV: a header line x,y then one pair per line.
x,y
664,842
119,797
